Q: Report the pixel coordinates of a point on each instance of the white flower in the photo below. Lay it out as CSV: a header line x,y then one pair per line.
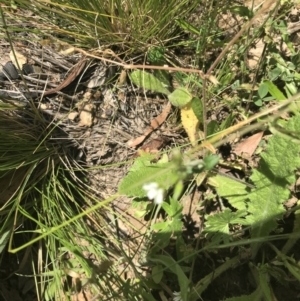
x,y
177,296
154,192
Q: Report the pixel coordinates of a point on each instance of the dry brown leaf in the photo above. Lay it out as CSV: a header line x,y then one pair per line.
x,y
86,115
155,123
153,146
74,72
247,147
122,78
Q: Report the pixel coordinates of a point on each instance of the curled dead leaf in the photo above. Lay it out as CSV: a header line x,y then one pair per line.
x,y
155,123
153,146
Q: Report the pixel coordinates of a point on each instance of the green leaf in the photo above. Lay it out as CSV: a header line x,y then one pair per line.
x,y
264,282
263,90
274,91
187,26
217,225
156,55
157,273
197,107
241,10
212,127
235,192
174,209
160,239
258,102
180,97
148,81
227,122
143,172
51,290
274,73
275,173
178,189
4,237
173,223
181,247
174,267
291,88
210,161
163,76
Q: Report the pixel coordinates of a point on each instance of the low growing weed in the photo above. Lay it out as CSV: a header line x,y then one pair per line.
x,y
255,209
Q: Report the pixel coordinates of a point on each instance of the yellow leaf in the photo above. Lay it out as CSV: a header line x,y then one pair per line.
x,y
17,58
190,123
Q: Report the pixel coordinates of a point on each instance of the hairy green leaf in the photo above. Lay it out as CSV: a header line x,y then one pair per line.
x,y
217,225
197,107
180,97
272,178
143,172
234,191
148,81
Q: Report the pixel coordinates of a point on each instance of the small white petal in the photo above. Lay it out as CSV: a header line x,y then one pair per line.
x,y
150,186
159,196
154,192
177,296
151,194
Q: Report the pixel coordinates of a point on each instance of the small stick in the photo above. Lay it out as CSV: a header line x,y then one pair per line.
x,y
72,75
